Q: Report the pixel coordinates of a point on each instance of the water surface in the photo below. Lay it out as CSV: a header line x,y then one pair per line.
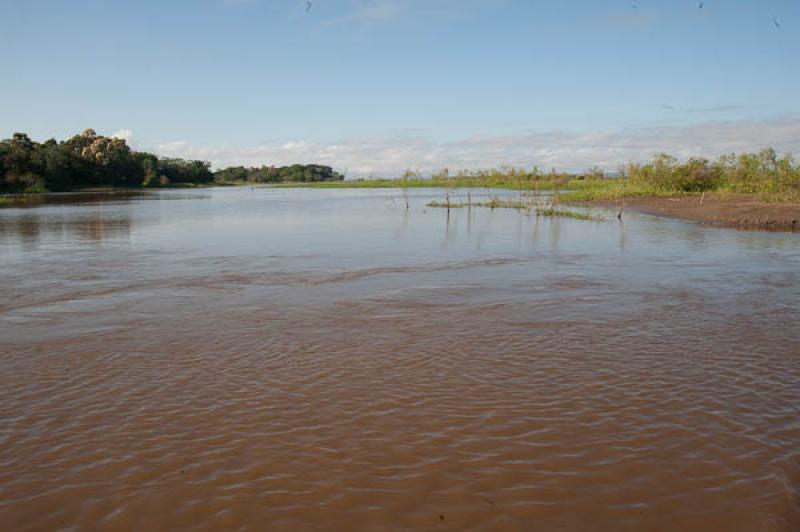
x,y
295,359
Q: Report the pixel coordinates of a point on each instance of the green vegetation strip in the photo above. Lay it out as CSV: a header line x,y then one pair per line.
x,y
498,203
569,214
494,203
453,182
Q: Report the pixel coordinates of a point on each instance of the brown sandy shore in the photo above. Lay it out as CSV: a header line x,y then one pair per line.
x,y
742,211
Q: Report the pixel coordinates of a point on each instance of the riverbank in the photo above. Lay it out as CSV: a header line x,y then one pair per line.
x,y
728,210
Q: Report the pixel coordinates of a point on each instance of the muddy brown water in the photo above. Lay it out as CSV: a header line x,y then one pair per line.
x,y
325,359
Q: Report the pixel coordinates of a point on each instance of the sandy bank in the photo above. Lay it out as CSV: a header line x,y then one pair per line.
x,y
742,211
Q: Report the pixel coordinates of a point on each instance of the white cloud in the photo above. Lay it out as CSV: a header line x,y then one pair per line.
x,y
174,147
374,10
234,3
390,155
126,135
369,12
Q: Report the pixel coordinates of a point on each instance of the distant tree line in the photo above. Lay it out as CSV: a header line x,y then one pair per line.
x,y
91,160
296,173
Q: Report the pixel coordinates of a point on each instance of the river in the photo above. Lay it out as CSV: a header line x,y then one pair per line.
x,y
297,359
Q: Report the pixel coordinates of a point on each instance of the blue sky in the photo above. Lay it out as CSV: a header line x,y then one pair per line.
x,y
374,86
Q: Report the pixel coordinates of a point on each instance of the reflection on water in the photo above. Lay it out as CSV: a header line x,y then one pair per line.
x,y
28,229
295,359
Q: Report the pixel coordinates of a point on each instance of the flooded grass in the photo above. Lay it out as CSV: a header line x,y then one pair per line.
x,y
556,213
520,205
494,203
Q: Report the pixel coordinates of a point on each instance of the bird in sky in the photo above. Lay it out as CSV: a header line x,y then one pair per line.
x,y
700,5
777,24
308,6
